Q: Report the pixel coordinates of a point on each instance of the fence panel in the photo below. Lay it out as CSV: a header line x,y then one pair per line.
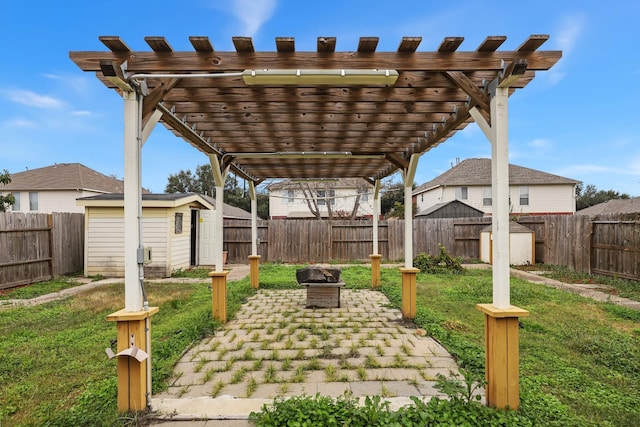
x,y
68,243
25,257
615,248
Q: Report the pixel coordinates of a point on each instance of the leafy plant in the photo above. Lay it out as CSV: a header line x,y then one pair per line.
x,y
443,263
466,389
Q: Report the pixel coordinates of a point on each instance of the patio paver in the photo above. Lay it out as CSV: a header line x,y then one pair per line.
x,y
275,347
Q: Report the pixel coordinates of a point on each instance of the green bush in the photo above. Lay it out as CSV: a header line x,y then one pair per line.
x,y
441,264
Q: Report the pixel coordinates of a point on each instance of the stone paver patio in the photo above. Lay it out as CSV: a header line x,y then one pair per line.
x,y
276,347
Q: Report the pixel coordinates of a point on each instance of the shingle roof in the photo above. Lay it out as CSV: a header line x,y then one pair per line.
x,y
63,176
614,206
471,172
439,206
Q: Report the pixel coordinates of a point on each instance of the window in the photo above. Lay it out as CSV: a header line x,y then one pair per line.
x,y
33,200
462,193
364,196
322,197
178,223
524,195
288,196
16,205
486,196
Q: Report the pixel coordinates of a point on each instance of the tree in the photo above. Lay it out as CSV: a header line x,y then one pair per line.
x,y
590,195
392,199
8,200
201,181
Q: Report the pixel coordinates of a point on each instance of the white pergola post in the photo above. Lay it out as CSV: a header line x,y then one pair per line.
x,y
219,177
133,300
376,216
254,258
408,175
375,256
254,218
500,197
409,273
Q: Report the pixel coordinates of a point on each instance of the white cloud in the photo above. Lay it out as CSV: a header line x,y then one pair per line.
x,y
571,31
541,143
32,99
81,113
21,123
252,13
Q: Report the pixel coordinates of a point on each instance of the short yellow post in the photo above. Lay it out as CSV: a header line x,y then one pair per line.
x,y
132,374
375,270
254,269
219,295
502,355
409,292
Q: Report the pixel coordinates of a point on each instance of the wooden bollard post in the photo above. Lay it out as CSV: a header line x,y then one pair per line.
x,y
409,292
219,295
375,270
254,269
502,363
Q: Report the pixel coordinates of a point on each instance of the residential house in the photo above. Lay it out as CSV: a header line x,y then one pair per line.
x,y
531,192
56,188
292,199
177,227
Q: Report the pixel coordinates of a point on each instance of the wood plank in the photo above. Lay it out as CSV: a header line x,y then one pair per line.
x,y
409,44
532,43
326,44
142,62
243,45
114,43
158,44
285,44
450,44
491,43
367,44
201,44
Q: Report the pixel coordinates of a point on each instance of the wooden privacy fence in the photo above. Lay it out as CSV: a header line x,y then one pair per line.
x,y
610,246
36,247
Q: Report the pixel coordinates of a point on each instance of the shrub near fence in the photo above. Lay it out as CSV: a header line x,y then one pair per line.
x,y
36,247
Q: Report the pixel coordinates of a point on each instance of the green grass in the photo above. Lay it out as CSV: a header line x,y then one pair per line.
x,y
38,289
580,360
53,368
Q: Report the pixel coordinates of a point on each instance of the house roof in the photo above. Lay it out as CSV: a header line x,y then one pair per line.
x,y
472,172
316,128
64,176
332,183
613,206
442,205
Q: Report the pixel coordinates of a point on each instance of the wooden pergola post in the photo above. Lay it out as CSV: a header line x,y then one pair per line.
x,y
375,256
409,273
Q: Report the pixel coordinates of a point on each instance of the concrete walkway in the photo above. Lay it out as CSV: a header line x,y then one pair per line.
x,y
277,347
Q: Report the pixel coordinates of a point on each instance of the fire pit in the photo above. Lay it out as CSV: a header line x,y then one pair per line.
x,y
323,286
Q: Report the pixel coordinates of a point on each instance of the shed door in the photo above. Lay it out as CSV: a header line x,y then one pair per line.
x,y
205,253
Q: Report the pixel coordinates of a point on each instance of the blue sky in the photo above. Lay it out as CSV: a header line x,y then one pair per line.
x,y
579,120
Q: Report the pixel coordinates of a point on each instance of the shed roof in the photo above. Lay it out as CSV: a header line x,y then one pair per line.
x,y
379,125
63,176
514,227
456,203
471,172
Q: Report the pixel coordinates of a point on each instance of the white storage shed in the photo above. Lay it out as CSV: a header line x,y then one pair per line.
x,y
522,245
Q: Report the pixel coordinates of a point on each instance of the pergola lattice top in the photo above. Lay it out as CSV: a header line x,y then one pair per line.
x,y
428,103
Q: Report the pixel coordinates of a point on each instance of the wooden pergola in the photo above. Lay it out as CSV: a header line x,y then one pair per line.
x,y
312,118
